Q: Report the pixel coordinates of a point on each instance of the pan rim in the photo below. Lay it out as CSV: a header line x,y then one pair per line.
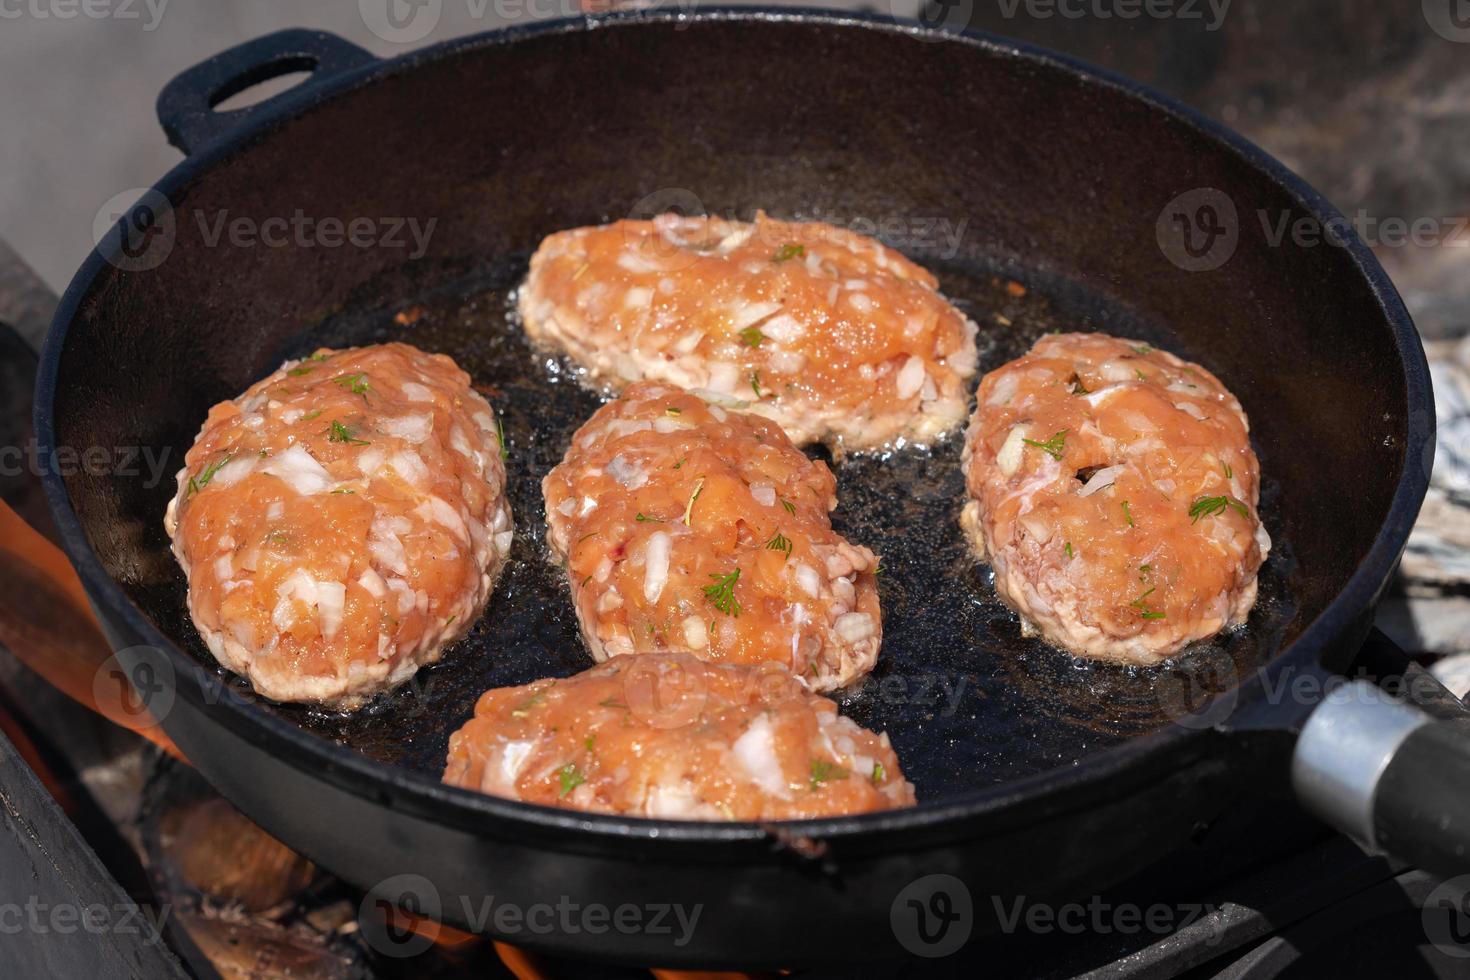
x,y
418,794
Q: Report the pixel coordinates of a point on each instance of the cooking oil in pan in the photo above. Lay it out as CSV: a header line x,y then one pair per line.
x,y
967,701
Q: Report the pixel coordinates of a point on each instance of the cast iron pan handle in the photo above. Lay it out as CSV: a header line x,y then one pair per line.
x,y
1388,775
186,104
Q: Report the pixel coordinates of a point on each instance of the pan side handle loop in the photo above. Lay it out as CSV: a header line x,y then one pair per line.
x,y
1391,776
186,106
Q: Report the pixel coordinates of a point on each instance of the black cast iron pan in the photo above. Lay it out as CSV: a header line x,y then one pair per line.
x,y
986,160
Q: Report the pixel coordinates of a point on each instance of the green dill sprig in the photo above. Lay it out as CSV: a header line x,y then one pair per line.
x,y
752,336
341,433
197,483
689,507
826,772
722,592
524,708
789,251
1210,506
1141,604
355,383
779,542
1053,447
570,778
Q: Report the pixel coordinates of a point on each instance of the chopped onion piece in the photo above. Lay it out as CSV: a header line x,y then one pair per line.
x,y
299,470
910,378
412,428
853,627
656,571
756,752
1101,479
1008,460
1192,410
752,314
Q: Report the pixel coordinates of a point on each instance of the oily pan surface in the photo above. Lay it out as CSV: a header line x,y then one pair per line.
x,y
967,701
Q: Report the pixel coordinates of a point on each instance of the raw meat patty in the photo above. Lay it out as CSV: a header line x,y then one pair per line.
x,y
688,527
342,521
667,735
1114,489
836,337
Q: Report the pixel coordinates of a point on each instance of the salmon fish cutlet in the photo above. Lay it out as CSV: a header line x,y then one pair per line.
x,y
342,521
831,334
667,735
685,526
1114,490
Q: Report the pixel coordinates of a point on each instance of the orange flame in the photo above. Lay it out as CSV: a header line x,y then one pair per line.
x,y
47,622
